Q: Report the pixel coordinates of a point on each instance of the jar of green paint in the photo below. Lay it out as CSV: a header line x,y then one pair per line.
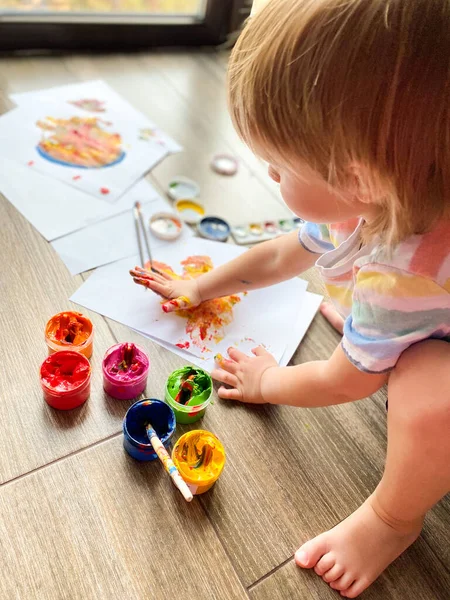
x,y
188,393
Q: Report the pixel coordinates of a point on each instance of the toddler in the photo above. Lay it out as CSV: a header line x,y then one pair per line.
x,y
349,103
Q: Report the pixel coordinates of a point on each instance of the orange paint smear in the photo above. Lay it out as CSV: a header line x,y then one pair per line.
x,y
207,322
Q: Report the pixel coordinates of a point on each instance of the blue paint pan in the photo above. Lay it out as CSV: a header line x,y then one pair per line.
x,y
214,228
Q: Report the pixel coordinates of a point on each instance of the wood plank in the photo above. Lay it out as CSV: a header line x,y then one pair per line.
x,y
417,574
100,525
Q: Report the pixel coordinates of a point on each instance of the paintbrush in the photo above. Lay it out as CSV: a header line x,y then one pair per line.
x,y
167,462
137,215
140,225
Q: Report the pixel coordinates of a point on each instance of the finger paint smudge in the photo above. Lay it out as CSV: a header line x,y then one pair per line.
x,y
151,135
206,323
89,104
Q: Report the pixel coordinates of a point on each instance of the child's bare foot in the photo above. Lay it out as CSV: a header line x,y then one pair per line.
x,y
332,316
354,553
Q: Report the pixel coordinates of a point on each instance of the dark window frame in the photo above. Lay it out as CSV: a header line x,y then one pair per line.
x,y
29,33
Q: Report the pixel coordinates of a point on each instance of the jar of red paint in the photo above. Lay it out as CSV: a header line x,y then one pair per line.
x,y
65,379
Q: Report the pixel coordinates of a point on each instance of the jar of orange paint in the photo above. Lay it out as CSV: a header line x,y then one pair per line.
x,y
70,331
65,379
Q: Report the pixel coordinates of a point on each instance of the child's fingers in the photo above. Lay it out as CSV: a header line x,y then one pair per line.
x,y
166,276
224,377
236,354
177,304
227,365
141,273
260,351
152,285
140,281
229,394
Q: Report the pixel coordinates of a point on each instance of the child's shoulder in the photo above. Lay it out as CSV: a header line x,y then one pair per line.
x,y
426,256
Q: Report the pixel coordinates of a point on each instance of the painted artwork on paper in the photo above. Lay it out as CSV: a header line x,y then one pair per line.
x,y
262,317
205,324
89,104
81,142
86,136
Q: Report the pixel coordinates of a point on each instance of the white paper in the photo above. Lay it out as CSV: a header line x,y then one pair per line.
x,y
306,313
56,209
21,140
262,317
112,239
108,99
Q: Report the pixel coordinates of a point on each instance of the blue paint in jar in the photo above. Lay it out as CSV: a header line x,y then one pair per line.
x,y
162,419
214,228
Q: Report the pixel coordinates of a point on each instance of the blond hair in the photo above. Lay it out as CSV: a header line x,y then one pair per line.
x,y
338,83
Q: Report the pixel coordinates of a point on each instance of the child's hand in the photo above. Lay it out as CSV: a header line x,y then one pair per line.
x,y
181,293
244,374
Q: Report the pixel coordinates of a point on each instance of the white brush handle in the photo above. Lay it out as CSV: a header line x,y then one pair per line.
x,y
164,457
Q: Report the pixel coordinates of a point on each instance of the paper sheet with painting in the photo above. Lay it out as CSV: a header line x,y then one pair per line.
x,y
82,141
245,320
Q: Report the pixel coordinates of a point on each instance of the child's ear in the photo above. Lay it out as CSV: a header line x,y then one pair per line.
x,y
362,185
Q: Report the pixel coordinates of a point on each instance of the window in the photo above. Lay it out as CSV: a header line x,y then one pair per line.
x,y
112,24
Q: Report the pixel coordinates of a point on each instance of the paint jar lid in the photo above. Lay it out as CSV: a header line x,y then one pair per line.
x,y
189,210
214,228
165,226
224,164
183,188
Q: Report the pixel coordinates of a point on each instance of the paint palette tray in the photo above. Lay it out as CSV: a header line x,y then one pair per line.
x,y
252,233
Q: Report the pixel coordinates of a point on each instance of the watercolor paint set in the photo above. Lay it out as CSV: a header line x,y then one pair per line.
x,y
253,233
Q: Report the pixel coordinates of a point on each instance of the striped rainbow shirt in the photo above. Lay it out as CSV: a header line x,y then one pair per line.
x,y
389,301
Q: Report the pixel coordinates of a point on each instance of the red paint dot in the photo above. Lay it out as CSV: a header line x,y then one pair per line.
x,y
181,345
104,190
30,163
76,177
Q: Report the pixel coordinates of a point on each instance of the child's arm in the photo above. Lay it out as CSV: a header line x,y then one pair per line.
x,y
265,264
259,379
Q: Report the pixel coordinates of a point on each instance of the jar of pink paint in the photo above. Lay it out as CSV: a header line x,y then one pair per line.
x,y
125,371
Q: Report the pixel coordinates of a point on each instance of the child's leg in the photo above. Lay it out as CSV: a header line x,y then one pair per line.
x,y
417,475
332,316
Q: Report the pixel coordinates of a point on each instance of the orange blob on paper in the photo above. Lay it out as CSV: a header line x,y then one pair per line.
x,y
207,322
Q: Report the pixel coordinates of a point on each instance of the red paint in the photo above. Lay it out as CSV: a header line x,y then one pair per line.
x,y
66,379
76,177
104,190
183,345
30,163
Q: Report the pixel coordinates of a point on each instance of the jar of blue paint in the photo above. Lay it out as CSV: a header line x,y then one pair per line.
x,y
140,414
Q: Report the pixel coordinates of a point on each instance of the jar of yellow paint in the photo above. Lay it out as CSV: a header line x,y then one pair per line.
x,y
200,457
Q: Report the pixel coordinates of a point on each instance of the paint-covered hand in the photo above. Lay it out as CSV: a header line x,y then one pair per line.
x,y
243,374
180,293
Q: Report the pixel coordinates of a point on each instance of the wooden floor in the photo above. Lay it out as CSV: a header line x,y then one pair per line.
x,y
82,520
